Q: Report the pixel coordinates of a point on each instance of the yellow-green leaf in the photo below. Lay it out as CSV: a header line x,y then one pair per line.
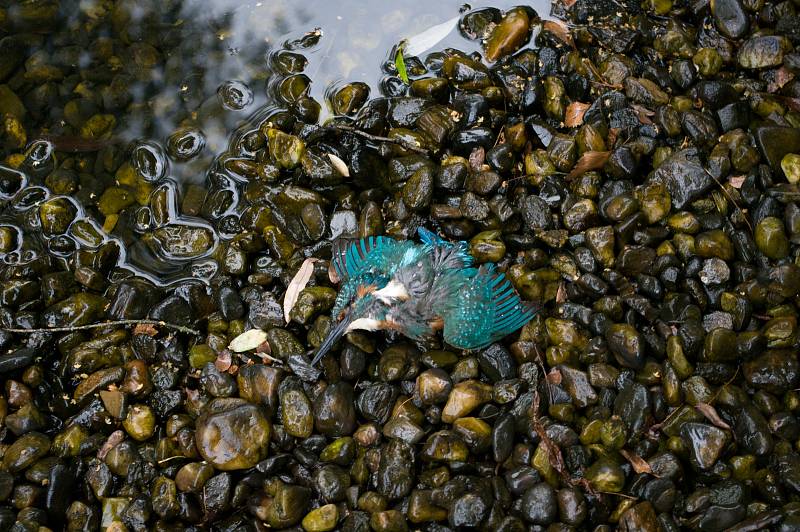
x,y
400,63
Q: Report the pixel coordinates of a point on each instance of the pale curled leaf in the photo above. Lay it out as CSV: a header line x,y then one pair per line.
x,y
299,281
339,165
712,415
424,41
575,112
591,160
248,340
638,463
332,275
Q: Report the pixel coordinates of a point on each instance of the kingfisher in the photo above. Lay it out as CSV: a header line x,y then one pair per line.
x,y
418,289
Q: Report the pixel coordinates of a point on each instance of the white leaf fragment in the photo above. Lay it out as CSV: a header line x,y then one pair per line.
x,y
339,165
299,281
429,38
248,340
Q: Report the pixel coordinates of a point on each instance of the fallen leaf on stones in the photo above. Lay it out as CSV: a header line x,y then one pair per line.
x,y
296,286
248,340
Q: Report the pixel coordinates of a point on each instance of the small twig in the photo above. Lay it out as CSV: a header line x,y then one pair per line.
x,y
377,138
716,394
171,458
179,328
624,495
657,426
724,191
602,81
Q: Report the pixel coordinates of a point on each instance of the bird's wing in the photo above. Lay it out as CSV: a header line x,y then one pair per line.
x,y
485,309
352,258
445,255
430,238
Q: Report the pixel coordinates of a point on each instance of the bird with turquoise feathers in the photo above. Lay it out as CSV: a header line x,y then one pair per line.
x,y
418,289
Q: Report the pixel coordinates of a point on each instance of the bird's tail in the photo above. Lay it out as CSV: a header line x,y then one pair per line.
x,y
337,332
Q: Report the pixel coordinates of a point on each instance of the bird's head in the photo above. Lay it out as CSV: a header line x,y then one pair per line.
x,y
367,311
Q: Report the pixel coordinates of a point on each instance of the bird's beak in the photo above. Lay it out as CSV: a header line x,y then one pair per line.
x,y
337,332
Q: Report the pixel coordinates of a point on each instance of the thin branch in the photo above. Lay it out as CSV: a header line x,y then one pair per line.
x,y
376,138
623,495
179,328
728,195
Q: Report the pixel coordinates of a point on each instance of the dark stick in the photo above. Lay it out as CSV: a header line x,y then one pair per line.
x,y
376,138
179,328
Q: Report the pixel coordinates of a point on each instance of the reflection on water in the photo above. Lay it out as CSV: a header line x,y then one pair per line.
x,y
158,104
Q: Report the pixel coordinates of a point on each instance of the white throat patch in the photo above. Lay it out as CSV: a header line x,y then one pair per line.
x,y
392,291
366,324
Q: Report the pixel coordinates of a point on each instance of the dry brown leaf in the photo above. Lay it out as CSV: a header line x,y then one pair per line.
x,y
643,114
568,3
554,377
782,77
476,158
223,361
145,328
638,463
575,112
711,414
737,181
299,281
560,30
591,160
613,133
561,293
113,440
264,348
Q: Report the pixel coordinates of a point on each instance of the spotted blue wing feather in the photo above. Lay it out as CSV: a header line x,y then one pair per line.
x,y
353,258
486,309
430,238
445,255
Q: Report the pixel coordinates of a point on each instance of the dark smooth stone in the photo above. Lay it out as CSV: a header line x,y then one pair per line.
x,y
716,94
497,363
730,18
503,438
463,142
685,177
230,304
18,359
775,142
132,300
539,505
173,309
59,492
473,108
